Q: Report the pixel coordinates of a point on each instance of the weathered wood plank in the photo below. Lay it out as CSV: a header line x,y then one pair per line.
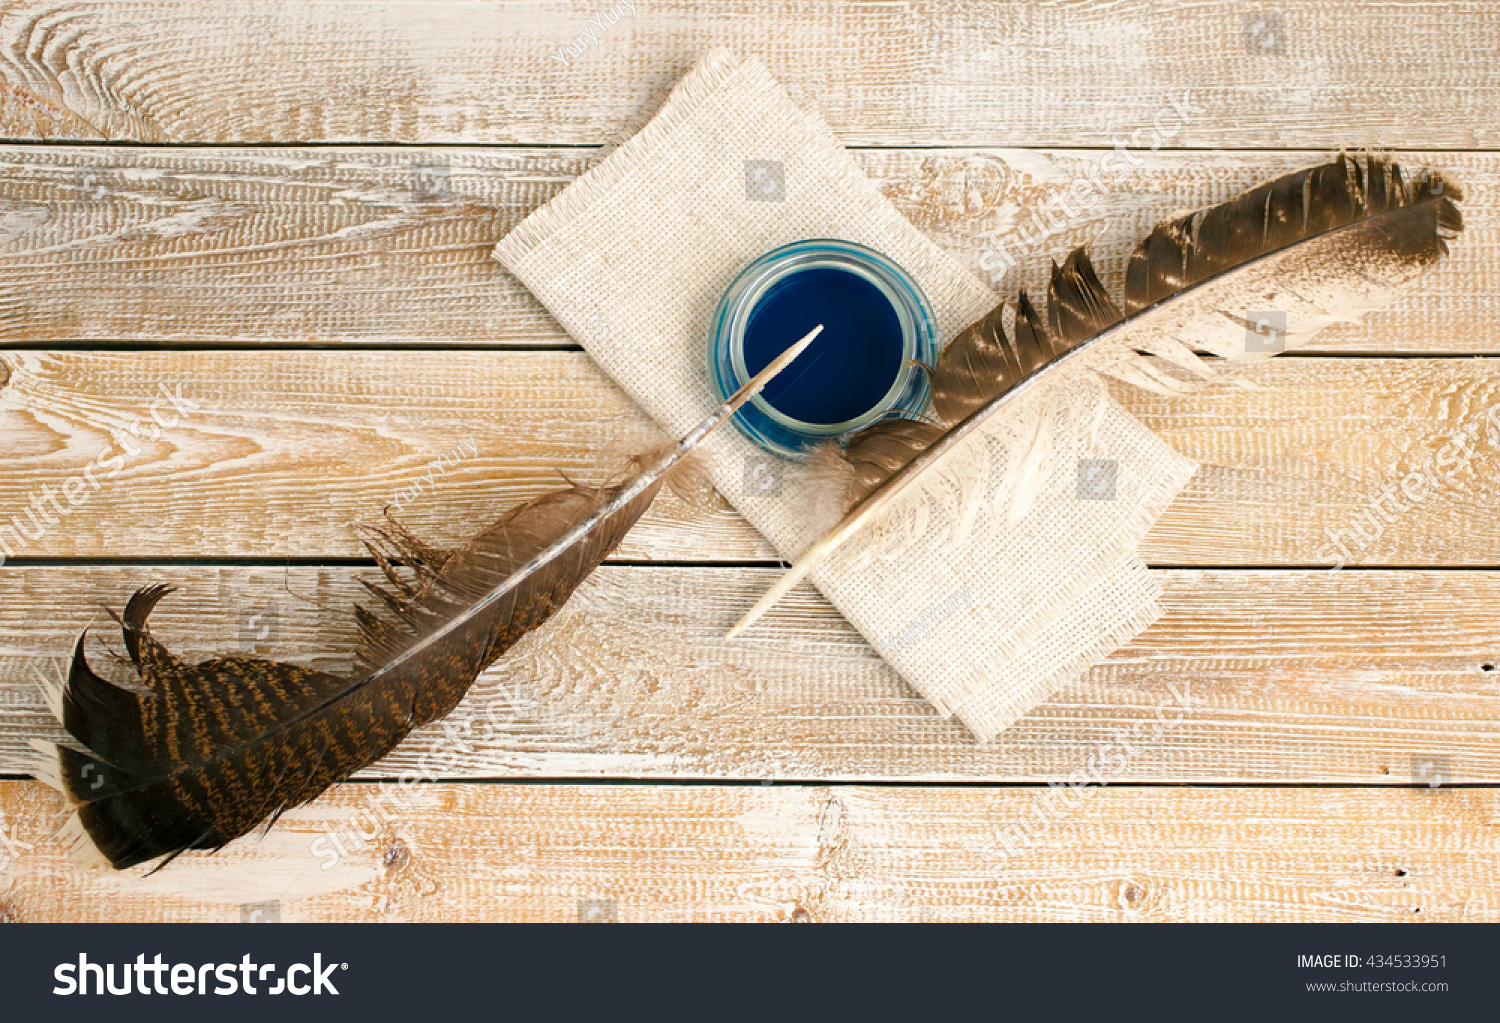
x,y
1058,73
841,853
1290,677
392,245
292,448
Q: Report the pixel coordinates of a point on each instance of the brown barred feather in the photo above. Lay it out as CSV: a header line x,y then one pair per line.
x,y
202,754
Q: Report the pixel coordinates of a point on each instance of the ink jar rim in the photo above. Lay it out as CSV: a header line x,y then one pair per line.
x,y
758,419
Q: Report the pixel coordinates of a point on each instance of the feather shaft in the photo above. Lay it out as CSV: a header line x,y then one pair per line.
x,y
642,481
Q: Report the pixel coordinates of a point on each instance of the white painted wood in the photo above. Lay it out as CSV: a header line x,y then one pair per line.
x,y
292,448
1306,677
806,853
1300,74
392,245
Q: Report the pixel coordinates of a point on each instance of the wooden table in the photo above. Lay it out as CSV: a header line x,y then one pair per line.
x,y
290,225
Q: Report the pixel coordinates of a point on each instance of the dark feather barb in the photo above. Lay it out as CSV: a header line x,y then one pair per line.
x,y
983,361
211,750
1324,245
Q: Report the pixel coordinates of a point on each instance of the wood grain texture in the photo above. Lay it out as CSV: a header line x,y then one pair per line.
x,y
391,246
292,448
1290,676
815,853
1373,678
1301,73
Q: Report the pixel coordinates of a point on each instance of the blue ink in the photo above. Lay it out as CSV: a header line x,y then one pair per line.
x,y
849,368
878,330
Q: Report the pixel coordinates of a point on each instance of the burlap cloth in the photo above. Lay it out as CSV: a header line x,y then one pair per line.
x,y
986,618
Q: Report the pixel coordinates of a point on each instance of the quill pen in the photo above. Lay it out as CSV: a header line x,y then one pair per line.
x,y
1326,244
201,754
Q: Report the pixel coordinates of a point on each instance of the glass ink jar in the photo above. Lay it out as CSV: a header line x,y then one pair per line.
x,y
877,328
